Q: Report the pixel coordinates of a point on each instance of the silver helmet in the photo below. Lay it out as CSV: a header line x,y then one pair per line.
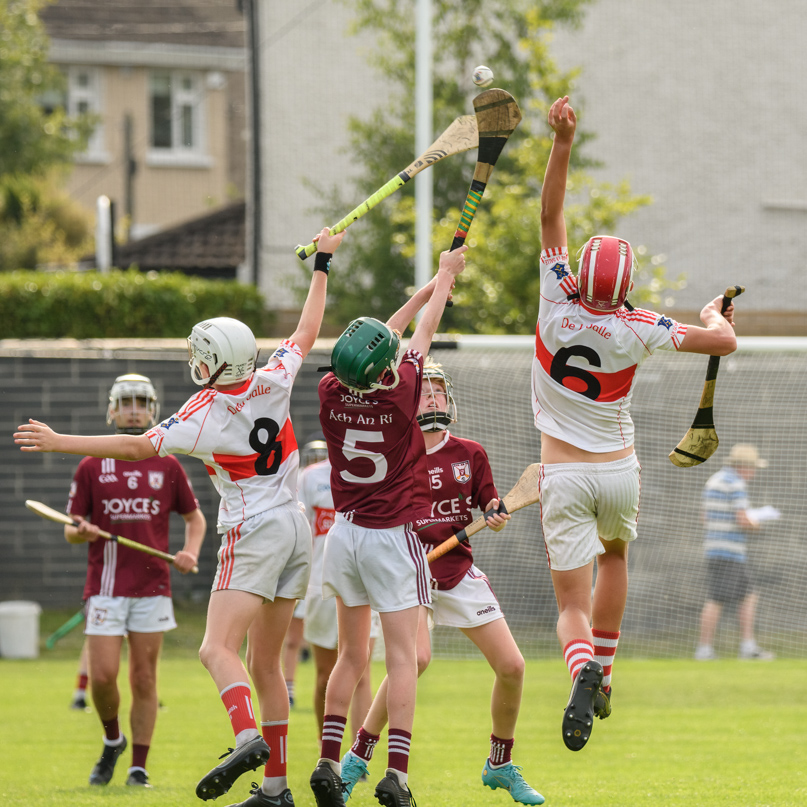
x,y
132,387
314,450
434,420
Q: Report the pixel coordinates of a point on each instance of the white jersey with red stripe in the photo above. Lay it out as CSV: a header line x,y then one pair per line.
x,y
315,493
244,437
585,363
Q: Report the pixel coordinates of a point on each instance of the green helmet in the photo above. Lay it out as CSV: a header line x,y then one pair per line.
x,y
364,352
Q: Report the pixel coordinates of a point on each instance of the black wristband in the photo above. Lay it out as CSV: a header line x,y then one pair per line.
x,y
322,263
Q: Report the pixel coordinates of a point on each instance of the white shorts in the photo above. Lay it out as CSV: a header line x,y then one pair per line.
x,y
268,554
299,610
320,627
469,604
385,569
117,616
582,502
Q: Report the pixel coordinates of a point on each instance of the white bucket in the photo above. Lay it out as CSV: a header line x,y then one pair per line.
x,y
19,629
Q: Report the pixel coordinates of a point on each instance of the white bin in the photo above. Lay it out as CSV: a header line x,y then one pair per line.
x,y
19,629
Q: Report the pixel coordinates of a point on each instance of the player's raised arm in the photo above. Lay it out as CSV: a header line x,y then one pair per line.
x,y
37,436
563,121
452,263
314,308
400,320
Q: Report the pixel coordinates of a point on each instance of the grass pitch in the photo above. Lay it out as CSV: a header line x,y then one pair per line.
x,y
682,733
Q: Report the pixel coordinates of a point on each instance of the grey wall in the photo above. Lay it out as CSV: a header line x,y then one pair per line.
x,y
700,105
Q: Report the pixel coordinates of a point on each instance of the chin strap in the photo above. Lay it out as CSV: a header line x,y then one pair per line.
x,y
433,421
394,370
216,375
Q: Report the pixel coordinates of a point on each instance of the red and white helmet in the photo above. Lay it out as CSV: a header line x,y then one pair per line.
x,y
605,274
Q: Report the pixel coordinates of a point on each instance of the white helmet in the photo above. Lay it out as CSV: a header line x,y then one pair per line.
x,y
226,347
434,420
132,386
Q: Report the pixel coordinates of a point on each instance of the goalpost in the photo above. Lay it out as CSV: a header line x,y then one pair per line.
x,y
759,399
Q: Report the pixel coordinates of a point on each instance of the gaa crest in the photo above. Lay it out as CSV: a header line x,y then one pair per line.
x,y
462,471
156,479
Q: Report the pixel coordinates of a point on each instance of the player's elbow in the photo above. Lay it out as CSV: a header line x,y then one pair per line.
x,y
136,447
726,344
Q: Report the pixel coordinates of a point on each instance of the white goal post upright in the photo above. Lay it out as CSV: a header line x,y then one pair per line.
x,y
759,400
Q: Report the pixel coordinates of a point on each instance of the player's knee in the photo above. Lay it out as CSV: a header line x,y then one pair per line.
x,y
207,655
144,686
424,659
510,668
103,679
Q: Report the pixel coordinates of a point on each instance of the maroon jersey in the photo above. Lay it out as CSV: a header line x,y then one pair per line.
x,y
460,479
376,449
134,500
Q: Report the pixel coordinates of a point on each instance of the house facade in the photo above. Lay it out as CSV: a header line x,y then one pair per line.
x,y
167,84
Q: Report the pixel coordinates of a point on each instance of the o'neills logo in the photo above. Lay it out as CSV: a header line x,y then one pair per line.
x,y
489,610
259,390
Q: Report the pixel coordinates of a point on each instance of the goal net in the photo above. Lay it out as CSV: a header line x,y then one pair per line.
x,y
759,399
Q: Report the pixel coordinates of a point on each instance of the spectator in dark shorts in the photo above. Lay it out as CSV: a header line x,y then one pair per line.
x,y
728,520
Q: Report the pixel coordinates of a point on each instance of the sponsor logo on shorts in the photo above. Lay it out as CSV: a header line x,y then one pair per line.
x,y
491,609
98,616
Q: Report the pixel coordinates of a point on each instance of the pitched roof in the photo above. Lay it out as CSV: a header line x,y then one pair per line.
x,y
180,22
212,245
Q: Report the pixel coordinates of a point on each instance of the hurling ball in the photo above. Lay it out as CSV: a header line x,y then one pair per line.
x,y
483,76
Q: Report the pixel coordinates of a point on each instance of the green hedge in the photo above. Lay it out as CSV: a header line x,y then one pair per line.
x,y
132,304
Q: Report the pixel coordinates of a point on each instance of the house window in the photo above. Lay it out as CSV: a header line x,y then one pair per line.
x,y
177,106
84,98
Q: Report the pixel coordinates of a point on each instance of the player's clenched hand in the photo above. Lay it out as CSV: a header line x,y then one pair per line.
x,y
712,312
497,521
35,436
453,261
326,242
562,119
87,531
184,561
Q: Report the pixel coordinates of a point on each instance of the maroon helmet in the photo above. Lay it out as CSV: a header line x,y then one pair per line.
x,y
605,274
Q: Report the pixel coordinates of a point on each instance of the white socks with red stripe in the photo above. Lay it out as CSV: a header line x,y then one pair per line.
x,y
576,654
605,643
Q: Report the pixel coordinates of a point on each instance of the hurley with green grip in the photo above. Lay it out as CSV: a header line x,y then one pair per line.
x,y
497,115
460,136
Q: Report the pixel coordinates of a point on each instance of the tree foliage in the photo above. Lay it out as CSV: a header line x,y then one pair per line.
x,y
498,292
38,224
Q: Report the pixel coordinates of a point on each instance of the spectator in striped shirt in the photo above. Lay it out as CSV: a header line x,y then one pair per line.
x,y
728,521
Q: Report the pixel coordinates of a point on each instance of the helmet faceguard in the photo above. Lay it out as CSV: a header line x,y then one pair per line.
x,y
226,347
132,387
364,353
314,450
605,273
434,420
